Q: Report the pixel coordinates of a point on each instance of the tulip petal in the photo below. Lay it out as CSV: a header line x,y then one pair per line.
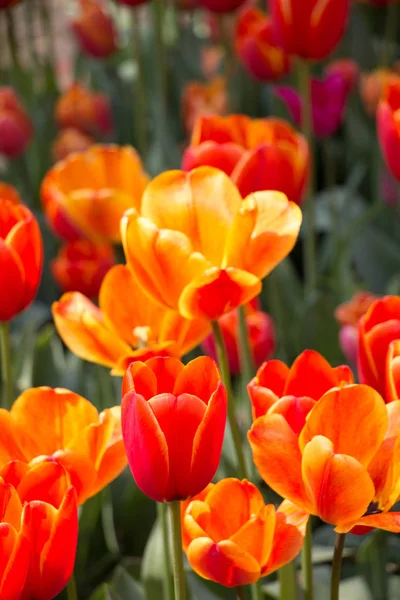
x,y
222,130
338,485
9,440
294,410
386,521
12,282
46,481
342,413
14,562
80,470
287,541
10,506
384,470
167,370
221,156
200,377
140,378
267,386
256,536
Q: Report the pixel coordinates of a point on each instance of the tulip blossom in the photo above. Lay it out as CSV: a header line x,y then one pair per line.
x,y
261,334
198,248
80,266
38,541
256,46
94,30
233,538
338,461
388,126
85,195
347,315
199,99
309,377
128,326
347,68
8,3
220,6
160,398
311,29
378,343
84,110
258,154
372,86
21,255
328,101
16,128
70,140
57,426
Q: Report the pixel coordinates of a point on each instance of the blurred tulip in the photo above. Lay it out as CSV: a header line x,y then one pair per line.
x,y
309,377
82,109
94,30
160,398
127,327
258,154
256,46
8,3
372,86
21,256
341,465
349,313
211,58
388,126
261,332
64,429
16,128
85,195
309,30
233,538
131,2
328,99
70,140
38,545
200,99
220,6
80,266
346,68
8,192
389,188
205,251
348,341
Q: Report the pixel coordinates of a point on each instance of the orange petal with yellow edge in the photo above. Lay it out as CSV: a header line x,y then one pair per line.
x,y
81,327
386,521
338,485
392,379
81,471
353,418
9,440
218,291
257,534
384,470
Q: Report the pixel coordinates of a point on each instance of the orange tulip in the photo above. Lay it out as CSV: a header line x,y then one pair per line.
x,y
70,140
258,154
342,464
128,326
8,192
81,266
347,315
309,29
378,334
56,425
256,46
198,248
372,86
310,376
200,99
388,125
94,30
86,194
16,128
160,398
233,538
82,109
21,255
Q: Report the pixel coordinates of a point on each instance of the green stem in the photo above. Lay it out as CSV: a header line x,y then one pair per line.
x,y
226,378
6,365
107,519
310,265
329,164
168,584
288,582
140,94
177,553
245,352
240,593
256,591
389,39
336,565
306,564
72,593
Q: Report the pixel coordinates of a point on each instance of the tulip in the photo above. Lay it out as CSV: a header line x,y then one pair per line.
x,y
81,266
211,58
120,332
86,195
8,192
65,428
347,315
341,464
372,86
258,154
309,30
388,126
346,68
199,99
220,6
233,538
16,128
84,110
256,46
328,100
204,257
160,398
8,3
21,256
94,30
70,140
377,329
261,333
309,377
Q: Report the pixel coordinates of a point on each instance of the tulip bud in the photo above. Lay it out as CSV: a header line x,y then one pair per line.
x,y
81,109
15,126
94,30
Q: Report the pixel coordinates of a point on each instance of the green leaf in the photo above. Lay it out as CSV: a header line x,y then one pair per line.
x,y
125,586
153,564
104,592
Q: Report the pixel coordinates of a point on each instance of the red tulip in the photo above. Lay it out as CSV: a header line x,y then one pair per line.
x,y
162,397
15,125
389,126
94,30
